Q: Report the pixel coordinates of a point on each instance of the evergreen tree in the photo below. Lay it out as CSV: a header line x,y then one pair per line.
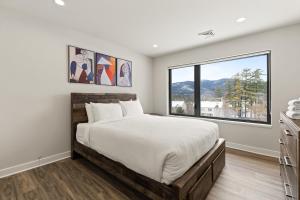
x,y
237,94
243,92
246,77
179,110
218,92
257,88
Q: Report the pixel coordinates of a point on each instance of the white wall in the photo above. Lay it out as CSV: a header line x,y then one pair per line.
x,y
35,93
285,79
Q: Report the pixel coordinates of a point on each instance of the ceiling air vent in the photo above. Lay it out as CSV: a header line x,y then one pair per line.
x,y
207,34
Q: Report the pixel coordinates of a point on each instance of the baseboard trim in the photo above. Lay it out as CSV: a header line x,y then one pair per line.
x,y
257,152
33,164
231,147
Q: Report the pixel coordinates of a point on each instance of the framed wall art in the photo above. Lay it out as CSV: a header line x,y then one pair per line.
x,y
81,65
105,72
124,73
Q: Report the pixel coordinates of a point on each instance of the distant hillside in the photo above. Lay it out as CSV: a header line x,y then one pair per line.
x,y
183,88
207,87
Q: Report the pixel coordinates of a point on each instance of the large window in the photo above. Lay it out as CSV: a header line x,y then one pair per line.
x,y
235,89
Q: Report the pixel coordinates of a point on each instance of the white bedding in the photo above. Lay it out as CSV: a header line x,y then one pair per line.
x,y
161,148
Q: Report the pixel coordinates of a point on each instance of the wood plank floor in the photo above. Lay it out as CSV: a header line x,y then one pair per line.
x,y
243,178
248,178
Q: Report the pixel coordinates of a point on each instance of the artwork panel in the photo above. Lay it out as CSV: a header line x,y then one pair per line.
x,y
105,70
81,65
124,73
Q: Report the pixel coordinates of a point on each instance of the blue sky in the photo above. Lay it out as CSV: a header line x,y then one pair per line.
x,y
226,69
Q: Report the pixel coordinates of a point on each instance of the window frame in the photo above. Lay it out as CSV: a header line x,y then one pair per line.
x,y
197,87
170,90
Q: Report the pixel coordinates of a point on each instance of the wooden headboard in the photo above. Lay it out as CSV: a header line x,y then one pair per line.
x,y
78,100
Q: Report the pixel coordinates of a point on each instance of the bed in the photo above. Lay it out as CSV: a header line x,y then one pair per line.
x,y
179,169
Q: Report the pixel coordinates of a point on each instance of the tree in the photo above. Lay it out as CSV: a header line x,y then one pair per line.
x,y
218,92
237,95
179,110
246,77
257,88
229,90
244,91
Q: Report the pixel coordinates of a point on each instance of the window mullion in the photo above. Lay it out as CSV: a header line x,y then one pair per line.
x,y
197,90
170,91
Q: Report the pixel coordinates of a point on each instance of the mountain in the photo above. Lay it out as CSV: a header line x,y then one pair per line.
x,y
207,87
183,88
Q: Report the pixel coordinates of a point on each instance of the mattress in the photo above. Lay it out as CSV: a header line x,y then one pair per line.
x,y
160,148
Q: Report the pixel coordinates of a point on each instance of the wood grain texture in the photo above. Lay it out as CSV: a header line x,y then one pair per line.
x,y
202,186
243,177
247,178
289,155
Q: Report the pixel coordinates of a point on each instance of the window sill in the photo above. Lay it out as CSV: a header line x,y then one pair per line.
x,y
226,121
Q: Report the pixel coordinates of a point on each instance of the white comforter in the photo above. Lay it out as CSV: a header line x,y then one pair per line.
x,y
161,148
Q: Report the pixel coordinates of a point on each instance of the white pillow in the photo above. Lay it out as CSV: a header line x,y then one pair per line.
x,y
106,111
89,112
123,108
131,108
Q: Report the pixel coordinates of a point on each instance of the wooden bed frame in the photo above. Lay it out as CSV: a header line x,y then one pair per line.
x,y
193,185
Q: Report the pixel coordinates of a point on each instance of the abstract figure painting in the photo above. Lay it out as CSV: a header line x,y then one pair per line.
x,y
81,65
124,73
105,70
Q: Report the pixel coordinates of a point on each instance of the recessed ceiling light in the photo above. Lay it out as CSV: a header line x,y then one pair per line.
x,y
241,19
59,2
155,46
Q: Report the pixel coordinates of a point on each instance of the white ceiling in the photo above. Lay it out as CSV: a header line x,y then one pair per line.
x,y
172,24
